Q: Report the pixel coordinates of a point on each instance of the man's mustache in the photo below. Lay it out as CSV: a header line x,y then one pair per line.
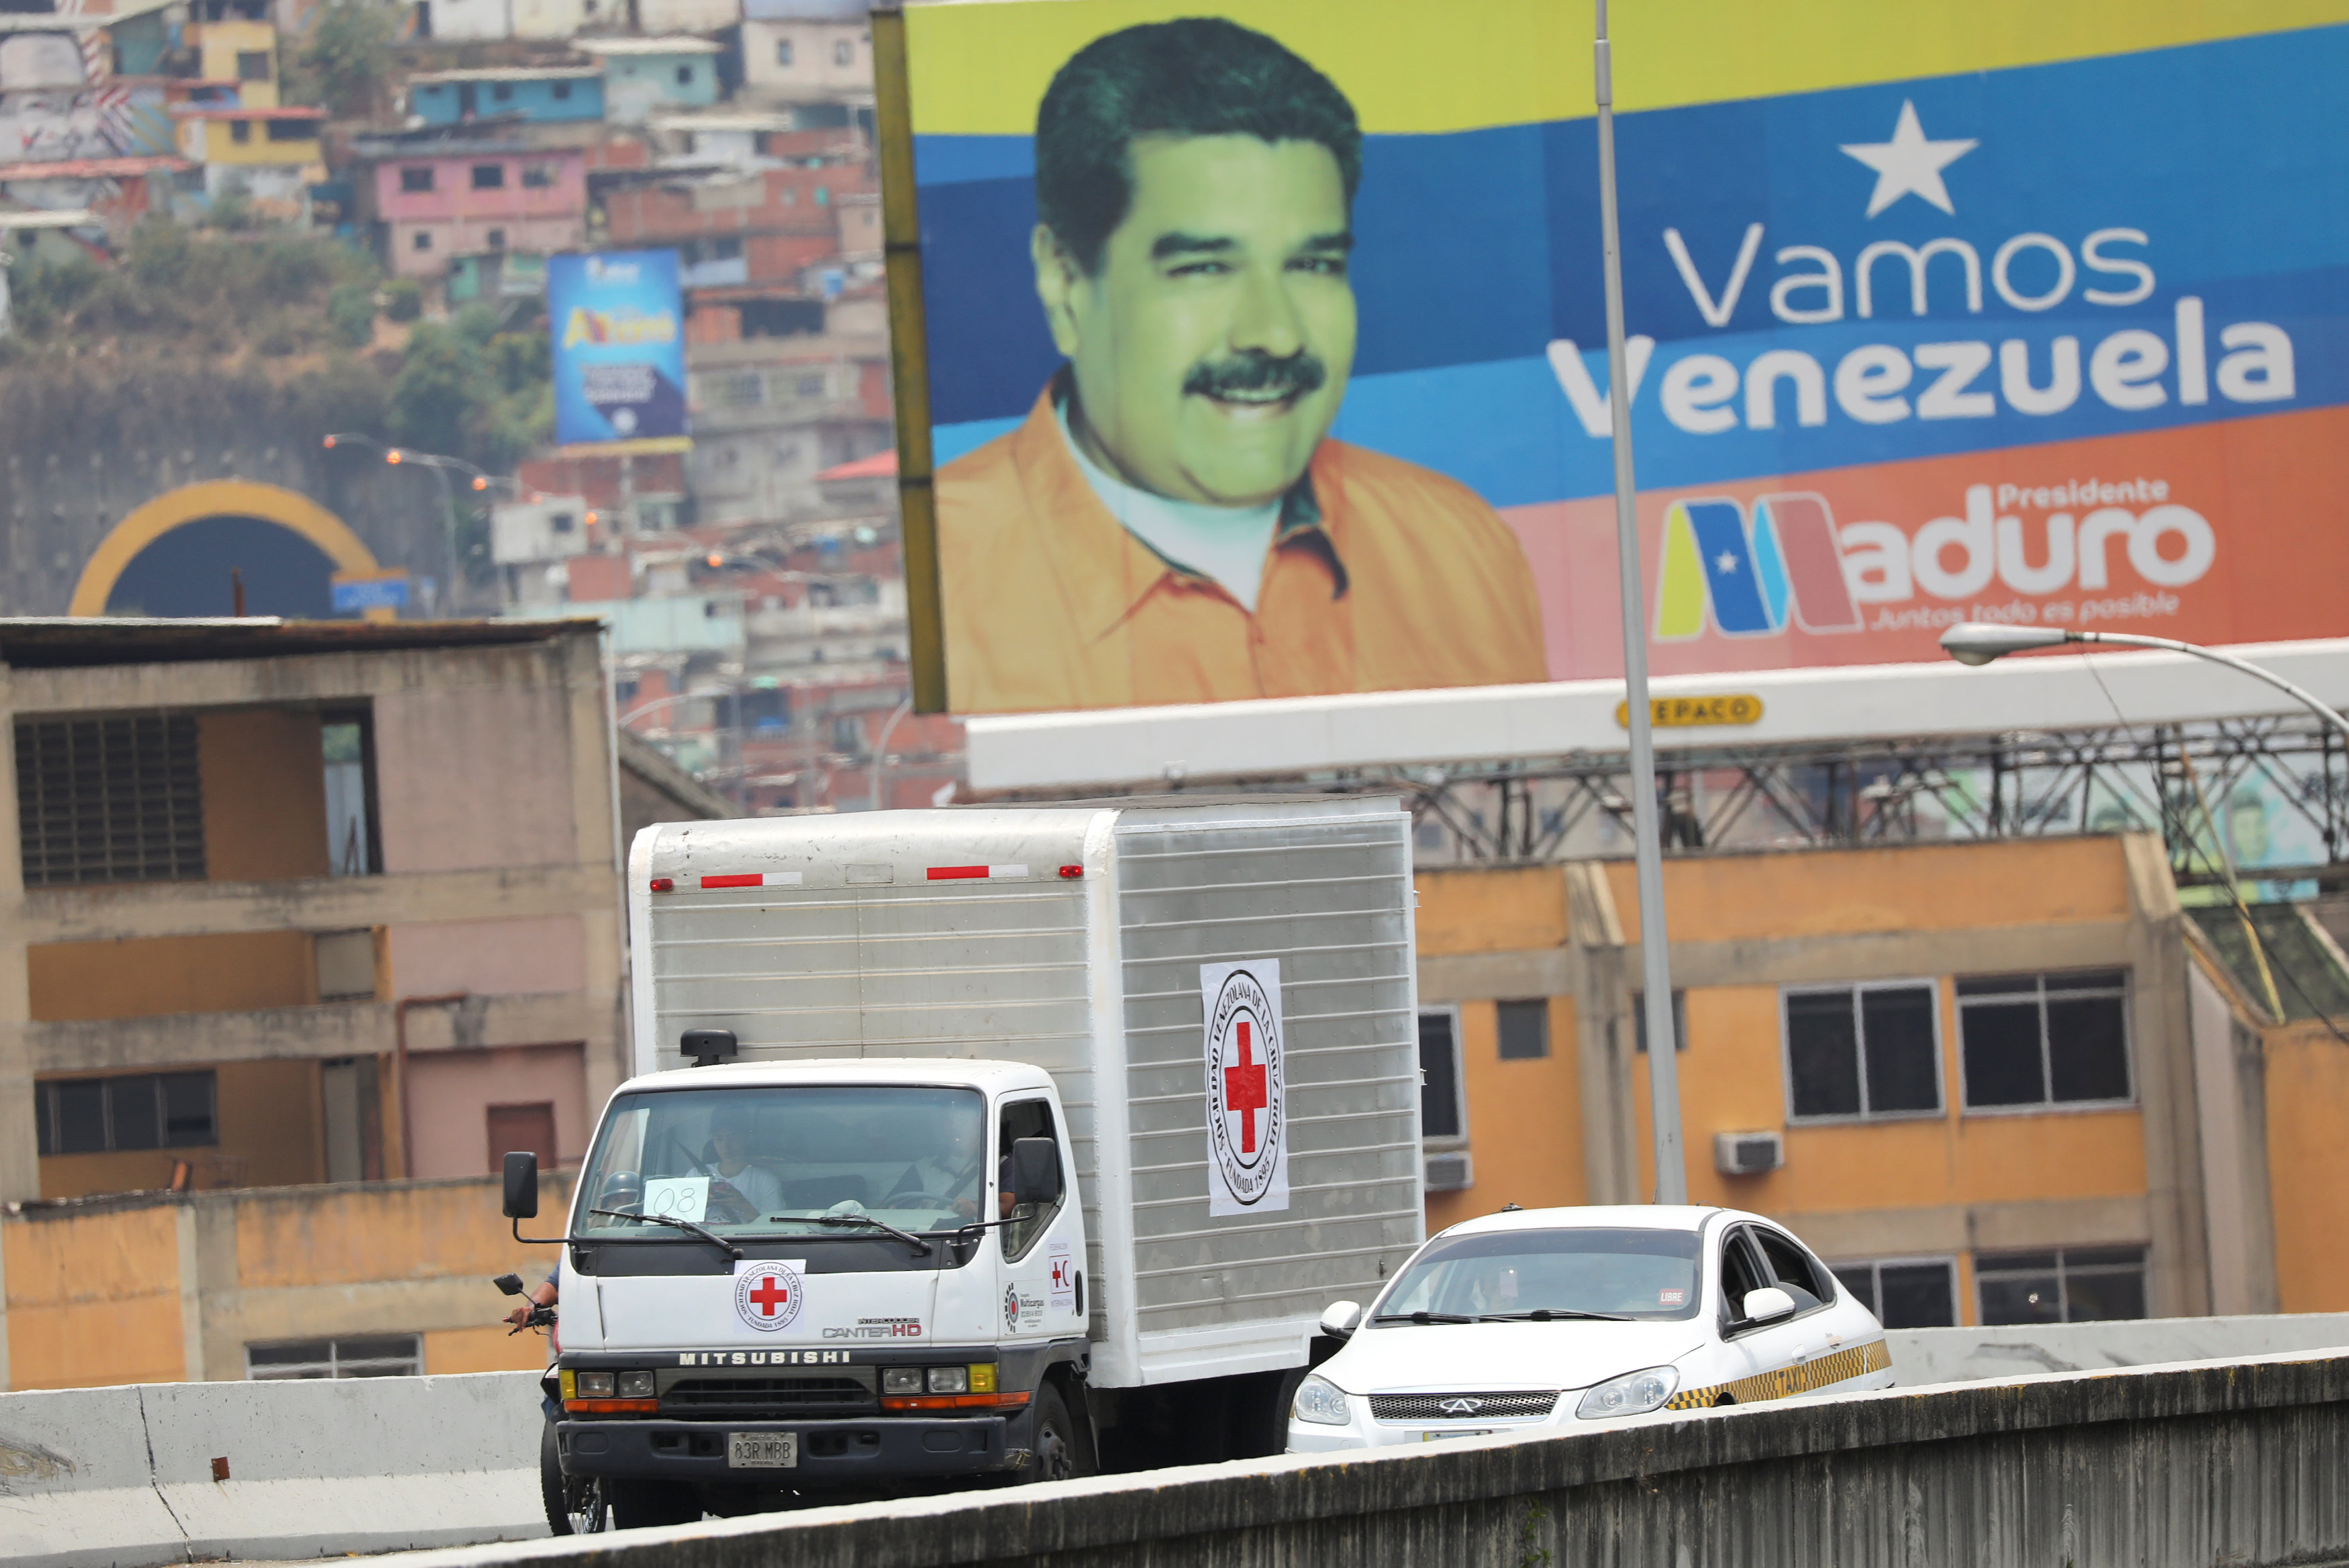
x,y
1256,371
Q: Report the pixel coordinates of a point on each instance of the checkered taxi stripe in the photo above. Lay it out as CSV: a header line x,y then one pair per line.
x,y
1804,1377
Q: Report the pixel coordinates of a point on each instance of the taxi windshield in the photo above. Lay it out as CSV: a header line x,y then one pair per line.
x,y
1508,1274
788,1160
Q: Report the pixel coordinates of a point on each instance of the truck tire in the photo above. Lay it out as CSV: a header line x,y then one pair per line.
x,y
575,1505
1061,1443
641,1505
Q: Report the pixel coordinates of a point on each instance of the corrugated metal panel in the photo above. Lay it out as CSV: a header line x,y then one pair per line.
x,y
1328,895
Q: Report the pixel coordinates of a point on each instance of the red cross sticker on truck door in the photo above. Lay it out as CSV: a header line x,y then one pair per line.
x,y
1245,1092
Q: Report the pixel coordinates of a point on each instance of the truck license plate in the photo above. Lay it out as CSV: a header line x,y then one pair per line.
x,y
762,1450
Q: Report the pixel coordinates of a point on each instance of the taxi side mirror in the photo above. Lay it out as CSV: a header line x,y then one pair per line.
x,y
1035,1172
1769,1304
521,1186
1340,1318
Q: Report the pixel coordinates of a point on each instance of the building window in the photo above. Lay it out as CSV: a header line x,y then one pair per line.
x,y
489,176
377,1355
148,1110
739,389
502,92
848,733
1862,1050
1639,1021
240,130
1524,1028
108,800
1443,1103
684,76
2070,1284
844,53
350,822
495,239
562,92
538,176
2044,1040
1907,1292
254,65
416,180
422,240
292,130
783,51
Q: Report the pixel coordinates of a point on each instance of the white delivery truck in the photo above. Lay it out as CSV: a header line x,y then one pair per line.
x,y
986,1141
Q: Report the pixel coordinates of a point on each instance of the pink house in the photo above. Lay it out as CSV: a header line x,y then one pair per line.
x,y
446,199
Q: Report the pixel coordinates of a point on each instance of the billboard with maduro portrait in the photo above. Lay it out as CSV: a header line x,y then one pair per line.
x,y
1265,349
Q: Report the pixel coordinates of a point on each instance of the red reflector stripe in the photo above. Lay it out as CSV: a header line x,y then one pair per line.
x,y
956,873
753,879
750,879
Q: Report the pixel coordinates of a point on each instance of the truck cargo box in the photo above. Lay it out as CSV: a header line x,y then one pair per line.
x,y
1075,937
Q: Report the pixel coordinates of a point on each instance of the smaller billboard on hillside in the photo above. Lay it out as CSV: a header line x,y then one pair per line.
x,y
617,322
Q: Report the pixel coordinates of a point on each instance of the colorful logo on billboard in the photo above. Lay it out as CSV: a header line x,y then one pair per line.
x,y
619,348
1750,578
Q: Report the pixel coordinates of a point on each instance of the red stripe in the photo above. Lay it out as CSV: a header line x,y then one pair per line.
x,y
748,878
956,873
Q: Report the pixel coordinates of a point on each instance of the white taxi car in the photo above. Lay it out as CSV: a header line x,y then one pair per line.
x,y
1556,1317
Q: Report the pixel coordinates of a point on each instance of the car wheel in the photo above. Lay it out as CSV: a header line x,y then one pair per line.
x,y
1724,1399
1062,1448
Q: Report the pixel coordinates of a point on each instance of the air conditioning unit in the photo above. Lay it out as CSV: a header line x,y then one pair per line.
x,y
1748,1153
1450,1172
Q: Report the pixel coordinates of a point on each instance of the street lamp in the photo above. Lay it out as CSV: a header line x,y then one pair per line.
x,y
1980,642
401,457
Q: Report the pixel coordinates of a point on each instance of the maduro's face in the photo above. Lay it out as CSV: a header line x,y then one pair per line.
x,y
1211,348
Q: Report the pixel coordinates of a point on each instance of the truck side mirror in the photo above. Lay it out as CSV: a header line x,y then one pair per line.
x,y
522,1185
1035,1172
1340,1318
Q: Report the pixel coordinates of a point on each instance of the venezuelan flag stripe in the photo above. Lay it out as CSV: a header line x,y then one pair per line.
x,y
1412,67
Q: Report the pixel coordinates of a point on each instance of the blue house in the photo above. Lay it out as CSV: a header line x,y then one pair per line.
x,y
538,94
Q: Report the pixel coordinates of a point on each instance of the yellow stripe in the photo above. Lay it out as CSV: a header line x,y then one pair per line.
x,y
1795,1378
1412,67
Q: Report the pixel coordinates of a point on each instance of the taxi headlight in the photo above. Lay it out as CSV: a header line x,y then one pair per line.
x,y
1319,1400
1632,1394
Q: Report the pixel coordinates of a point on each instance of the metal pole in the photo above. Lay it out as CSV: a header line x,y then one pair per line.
x,y
1655,955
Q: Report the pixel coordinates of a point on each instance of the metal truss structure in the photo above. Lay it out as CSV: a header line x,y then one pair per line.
x,y
2268,796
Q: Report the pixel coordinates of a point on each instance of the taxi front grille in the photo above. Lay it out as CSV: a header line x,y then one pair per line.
x,y
1462,1407
719,1398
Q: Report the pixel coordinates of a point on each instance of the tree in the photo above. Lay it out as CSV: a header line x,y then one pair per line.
x,y
346,62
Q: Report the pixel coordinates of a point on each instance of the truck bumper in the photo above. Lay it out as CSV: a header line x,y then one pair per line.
x,y
843,1452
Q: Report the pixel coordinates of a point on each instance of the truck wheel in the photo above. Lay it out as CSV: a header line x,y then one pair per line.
x,y
641,1505
574,1504
1063,1446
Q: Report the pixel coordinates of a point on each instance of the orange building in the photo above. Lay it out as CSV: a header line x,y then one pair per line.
x,y
2000,1082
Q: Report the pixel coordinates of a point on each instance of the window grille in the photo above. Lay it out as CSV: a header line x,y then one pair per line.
x,y
109,800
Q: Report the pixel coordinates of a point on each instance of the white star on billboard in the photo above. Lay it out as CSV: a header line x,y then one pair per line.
x,y
1908,165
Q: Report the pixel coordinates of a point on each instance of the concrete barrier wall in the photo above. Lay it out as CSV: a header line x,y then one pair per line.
x,y
123,1478
2240,1464
1921,1355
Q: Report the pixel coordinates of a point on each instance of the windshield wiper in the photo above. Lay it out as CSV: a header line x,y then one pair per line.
x,y
1422,1317
688,1226
922,1249
1551,1315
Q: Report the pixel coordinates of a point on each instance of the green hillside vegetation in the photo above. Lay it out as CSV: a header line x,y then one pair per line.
x,y
294,308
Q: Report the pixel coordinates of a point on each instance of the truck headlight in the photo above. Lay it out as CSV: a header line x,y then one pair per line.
x,y
949,1379
1632,1394
901,1380
636,1384
1320,1401
595,1385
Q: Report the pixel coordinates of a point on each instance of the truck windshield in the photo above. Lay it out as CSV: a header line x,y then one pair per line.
x,y
1598,1273
746,1162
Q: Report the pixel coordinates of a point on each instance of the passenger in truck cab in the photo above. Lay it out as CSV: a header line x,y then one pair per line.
x,y
952,1172
739,1191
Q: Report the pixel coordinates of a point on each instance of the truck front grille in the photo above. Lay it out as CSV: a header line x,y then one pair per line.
x,y
1462,1407
722,1398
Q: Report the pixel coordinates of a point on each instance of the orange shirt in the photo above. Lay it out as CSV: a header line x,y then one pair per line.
x,y
1409,580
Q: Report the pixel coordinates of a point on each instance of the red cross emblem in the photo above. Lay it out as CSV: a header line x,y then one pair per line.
x,y
1245,1092
1059,1272
769,1293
